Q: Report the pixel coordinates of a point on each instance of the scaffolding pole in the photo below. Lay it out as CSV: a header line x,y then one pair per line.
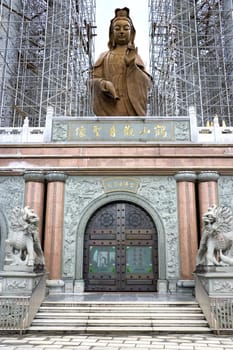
x,y
191,55
45,59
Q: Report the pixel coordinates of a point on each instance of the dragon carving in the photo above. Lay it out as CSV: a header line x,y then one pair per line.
x,y
216,246
23,245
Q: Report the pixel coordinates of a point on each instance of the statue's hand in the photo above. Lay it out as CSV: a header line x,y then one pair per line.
x,y
131,55
108,88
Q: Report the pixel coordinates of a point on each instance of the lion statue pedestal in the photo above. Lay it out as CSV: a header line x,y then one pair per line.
x,y
24,260
214,263
214,270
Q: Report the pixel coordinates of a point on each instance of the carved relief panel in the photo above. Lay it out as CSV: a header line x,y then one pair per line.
x,y
225,189
158,192
12,194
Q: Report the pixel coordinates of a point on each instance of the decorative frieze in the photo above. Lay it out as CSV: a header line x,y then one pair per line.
x,y
80,191
12,193
217,281
19,283
223,286
12,285
225,191
160,191
182,131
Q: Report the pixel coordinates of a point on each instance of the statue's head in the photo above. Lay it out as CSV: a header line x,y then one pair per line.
x,y
121,20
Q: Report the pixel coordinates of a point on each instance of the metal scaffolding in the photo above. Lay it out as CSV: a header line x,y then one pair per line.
x,y
47,50
45,59
191,58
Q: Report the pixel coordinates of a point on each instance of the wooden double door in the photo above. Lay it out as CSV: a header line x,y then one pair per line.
x,y
120,249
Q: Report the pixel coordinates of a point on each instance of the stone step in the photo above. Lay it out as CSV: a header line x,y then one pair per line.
x,y
121,330
107,317
115,309
122,304
124,322
113,315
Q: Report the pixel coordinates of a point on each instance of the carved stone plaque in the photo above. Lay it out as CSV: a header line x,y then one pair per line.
x,y
120,129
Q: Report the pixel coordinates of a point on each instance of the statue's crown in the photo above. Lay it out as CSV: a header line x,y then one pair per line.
x,y
122,12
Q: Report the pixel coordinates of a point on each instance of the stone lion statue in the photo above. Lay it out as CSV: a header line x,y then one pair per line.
x,y
23,245
216,246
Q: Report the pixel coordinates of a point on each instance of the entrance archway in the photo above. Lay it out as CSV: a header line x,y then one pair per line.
x,y
120,249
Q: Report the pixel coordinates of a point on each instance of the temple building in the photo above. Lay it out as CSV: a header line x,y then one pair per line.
x,y
120,199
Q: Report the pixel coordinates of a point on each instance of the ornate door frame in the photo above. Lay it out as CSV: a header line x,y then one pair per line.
x,y
120,249
127,197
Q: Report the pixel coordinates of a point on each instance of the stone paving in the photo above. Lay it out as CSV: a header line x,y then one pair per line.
x,y
140,342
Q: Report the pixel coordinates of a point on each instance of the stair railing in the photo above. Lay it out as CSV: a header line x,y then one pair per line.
x,y
222,314
13,312
36,300
218,310
203,300
17,312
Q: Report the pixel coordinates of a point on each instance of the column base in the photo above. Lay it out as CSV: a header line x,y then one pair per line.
x,y
79,286
55,286
69,285
172,285
162,286
185,286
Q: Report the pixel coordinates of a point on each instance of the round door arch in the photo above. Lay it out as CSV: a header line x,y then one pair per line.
x,y
120,249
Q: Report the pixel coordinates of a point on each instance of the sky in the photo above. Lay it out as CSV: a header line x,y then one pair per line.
x,y
105,11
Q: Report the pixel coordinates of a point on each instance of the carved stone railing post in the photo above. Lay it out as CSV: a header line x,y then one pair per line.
x,y
54,223
207,190
34,195
187,223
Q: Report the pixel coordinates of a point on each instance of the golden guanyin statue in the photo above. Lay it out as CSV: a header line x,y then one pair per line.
x,y
120,82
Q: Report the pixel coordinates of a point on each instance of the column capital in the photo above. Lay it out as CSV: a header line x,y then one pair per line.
x,y
34,176
205,176
185,176
56,177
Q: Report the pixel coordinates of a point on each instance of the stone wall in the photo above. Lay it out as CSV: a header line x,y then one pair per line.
x,y
12,195
156,194
225,189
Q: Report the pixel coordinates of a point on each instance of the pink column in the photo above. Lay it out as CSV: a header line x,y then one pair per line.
x,y
187,215
54,224
34,195
207,190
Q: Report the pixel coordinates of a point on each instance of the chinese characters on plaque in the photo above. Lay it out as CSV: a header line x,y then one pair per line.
x,y
120,129
128,184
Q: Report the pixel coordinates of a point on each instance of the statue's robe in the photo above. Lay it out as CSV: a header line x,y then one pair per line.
x,y
131,83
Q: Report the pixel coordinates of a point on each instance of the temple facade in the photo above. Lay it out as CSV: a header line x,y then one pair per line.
x,y
117,216
119,199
